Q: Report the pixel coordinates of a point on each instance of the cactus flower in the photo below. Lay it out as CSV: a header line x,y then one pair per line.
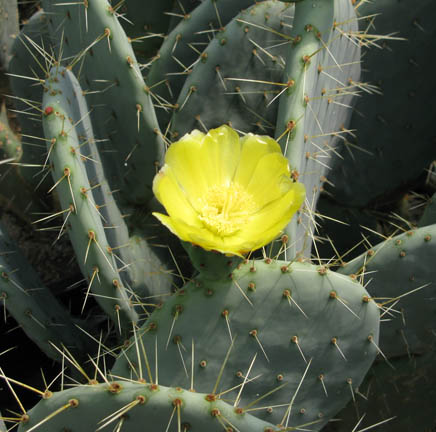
x,y
226,193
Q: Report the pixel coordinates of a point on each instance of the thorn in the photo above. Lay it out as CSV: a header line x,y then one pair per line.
x,y
242,292
294,339
253,333
225,314
94,273
334,341
192,365
72,403
334,295
139,400
238,397
287,294
220,374
321,378
291,403
371,339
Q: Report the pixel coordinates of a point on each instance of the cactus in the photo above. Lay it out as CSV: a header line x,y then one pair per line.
x,y
396,128
407,290
153,404
32,304
129,111
9,29
289,320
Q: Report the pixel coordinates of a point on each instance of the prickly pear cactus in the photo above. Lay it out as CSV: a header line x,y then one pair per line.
x,y
9,29
184,146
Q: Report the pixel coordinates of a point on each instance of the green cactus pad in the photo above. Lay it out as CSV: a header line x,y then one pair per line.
x,y
182,47
402,268
16,194
402,395
229,83
145,27
343,226
34,307
143,268
123,116
305,325
9,29
322,70
27,66
10,144
72,185
429,216
179,11
386,123
137,407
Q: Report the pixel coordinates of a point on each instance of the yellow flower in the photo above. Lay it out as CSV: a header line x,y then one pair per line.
x,y
226,193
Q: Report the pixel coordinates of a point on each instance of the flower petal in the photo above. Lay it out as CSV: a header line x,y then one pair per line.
x,y
223,148
176,226
253,148
274,216
172,197
201,161
270,179
224,193
199,236
263,227
184,158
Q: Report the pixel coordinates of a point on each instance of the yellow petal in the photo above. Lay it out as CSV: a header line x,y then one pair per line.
x,y
200,161
184,158
222,149
200,236
270,179
253,148
224,193
172,197
274,216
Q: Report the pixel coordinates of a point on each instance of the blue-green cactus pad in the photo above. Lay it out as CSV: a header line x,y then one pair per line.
x,y
138,407
402,268
294,318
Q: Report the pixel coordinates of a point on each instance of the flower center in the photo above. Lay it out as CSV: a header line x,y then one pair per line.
x,y
226,208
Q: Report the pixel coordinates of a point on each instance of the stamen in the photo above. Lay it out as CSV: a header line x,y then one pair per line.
x,y
226,209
